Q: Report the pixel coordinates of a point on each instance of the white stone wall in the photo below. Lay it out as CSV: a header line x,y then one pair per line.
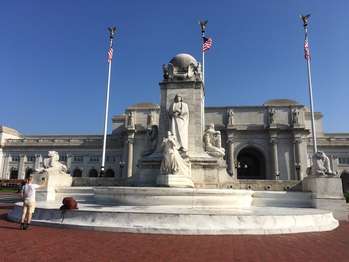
x,y
250,129
85,165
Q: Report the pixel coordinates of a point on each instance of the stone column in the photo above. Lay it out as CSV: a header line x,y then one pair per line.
x,y
297,165
5,170
69,161
230,157
85,165
2,159
21,169
130,142
37,162
275,160
192,92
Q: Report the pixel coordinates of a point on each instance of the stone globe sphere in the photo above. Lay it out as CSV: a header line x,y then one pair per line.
x,y
182,61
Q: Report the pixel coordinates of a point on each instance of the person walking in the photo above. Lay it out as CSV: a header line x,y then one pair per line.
x,y
28,196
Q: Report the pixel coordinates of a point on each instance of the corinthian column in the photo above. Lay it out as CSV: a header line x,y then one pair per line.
x,y
37,162
21,170
69,161
130,142
275,160
5,169
297,164
230,159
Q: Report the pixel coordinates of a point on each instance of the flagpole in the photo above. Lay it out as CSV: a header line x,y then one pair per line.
x,y
203,58
310,86
203,25
112,31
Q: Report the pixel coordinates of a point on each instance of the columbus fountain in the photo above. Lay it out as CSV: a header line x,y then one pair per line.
x,y
186,151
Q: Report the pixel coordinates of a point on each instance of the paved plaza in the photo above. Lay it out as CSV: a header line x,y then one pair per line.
x,y
56,244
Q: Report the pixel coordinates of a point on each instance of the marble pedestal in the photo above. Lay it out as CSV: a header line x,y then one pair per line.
x,y
149,171
209,172
206,172
324,186
327,194
53,180
174,181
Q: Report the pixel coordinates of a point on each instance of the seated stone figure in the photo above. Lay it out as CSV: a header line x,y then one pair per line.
x,y
321,165
52,175
172,163
212,142
151,140
52,164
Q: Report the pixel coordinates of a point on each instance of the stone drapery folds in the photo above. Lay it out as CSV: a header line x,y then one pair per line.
x,y
172,163
321,165
179,122
212,142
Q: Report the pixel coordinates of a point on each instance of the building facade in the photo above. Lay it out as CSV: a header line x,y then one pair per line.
x,y
266,142
271,142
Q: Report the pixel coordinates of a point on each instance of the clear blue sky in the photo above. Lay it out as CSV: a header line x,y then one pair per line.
x,y
53,66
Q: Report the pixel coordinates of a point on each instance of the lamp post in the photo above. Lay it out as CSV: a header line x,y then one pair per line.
x,y
121,165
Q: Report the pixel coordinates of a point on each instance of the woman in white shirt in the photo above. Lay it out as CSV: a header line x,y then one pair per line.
x,y
28,196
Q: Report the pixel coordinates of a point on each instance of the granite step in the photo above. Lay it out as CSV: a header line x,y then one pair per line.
x,y
282,199
81,194
74,190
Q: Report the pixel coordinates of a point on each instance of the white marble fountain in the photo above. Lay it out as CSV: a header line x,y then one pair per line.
x,y
174,205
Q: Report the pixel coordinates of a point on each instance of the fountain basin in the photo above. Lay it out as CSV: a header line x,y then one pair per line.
x,y
159,196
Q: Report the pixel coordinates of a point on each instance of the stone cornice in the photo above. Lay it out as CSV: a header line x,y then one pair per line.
x,y
10,131
63,141
331,141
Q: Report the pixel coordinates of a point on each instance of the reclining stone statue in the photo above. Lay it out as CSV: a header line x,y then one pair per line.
x,y
212,142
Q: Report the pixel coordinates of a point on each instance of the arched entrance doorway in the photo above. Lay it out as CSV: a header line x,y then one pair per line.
x,y
28,172
109,173
250,164
13,173
77,172
93,173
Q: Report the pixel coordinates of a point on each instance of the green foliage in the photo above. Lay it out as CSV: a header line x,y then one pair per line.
x,y
8,190
346,195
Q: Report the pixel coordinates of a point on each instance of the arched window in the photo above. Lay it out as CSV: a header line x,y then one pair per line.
x,y
28,172
77,172
109,173
14,173
93,173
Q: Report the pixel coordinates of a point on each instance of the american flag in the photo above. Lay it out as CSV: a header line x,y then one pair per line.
x,y
306,49
110,54
206,44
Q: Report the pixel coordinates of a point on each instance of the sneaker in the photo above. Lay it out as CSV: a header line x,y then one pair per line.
x,y
21,226
26,226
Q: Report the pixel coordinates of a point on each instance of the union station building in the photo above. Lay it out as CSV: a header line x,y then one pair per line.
x,y
271,141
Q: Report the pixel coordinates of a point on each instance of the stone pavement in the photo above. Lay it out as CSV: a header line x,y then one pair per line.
x,y
54,244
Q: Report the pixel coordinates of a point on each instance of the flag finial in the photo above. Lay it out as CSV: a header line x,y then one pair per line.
x,y
203,25
305,19
112,31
